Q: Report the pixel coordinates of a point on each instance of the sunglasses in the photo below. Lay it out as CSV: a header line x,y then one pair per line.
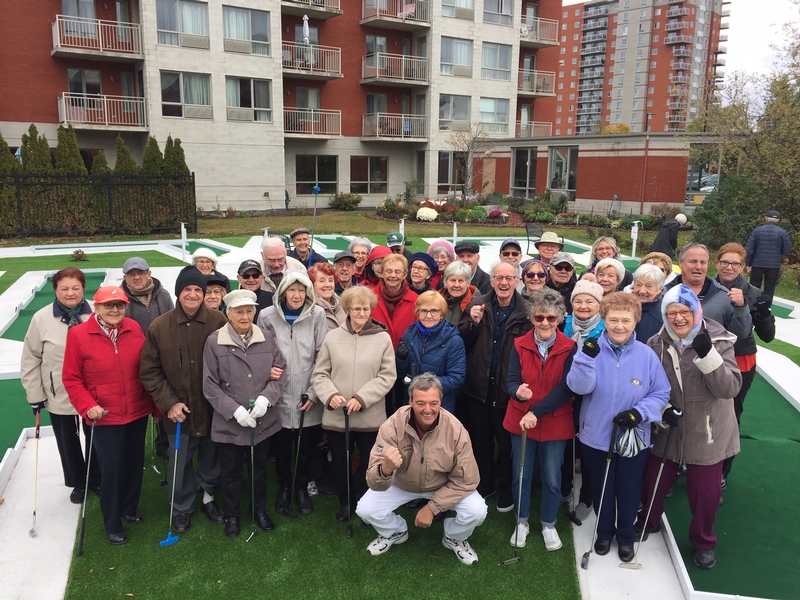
x,y
508,253
562,267
113,305
251,276
535,275
552,319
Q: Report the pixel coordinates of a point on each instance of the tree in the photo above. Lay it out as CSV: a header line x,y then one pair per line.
x,y
616,128
100,164
8,162
68,155
729,212
153,160
125,164
469,146
35,152
174,158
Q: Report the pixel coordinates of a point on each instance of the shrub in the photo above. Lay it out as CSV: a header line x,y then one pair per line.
x,y
231,212
345,201
478,214
79,255
495,214
544,216
426,214
648,221
463,215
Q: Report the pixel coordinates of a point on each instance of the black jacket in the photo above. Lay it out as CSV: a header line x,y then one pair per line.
x,y
565,291
481,280
313,258
667,238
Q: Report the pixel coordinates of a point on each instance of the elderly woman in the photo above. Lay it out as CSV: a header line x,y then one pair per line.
x,y
432,345
101,377
355,370
298,326
534,277
443,253
323,278
237,367
541,409
648,281
205,260
606,247
396,301
623,386
374,266
215,291
360,249
40,372
457,290
610,274
663,262
698,357
421,268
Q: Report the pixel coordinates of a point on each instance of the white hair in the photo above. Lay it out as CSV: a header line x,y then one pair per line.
x,y
272,242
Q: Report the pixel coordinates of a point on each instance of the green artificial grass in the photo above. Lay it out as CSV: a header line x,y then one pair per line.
x,y
15,413
236,240
781,312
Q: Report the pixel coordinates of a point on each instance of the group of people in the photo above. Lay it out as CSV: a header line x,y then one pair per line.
x,y
434,369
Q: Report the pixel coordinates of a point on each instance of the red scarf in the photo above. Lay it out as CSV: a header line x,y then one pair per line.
x,y
392,298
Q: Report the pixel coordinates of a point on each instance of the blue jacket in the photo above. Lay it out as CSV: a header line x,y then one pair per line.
x,y
766,245
441,353
598,329
611,385
652,319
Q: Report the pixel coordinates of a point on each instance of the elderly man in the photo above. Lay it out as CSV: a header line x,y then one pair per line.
x,y
488,326
562,277
765,247
344,263
726,307
547,246
303,252
396,242
423,452
275,263
511,253
469,253
250,278
172,372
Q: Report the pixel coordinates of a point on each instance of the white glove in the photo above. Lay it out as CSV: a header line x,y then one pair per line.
x,y
244,418
259,408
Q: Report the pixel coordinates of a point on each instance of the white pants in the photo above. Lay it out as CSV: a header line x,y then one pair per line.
x,y
376,508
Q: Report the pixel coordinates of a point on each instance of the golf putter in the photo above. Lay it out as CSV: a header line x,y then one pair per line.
x,y
36,472
347,447
524,440
86,489
303,400
571,513
171,537
252,478
153,446
585,558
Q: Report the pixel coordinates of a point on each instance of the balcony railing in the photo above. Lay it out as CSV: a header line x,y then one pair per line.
x,y
591,62
679,92
726,12
677,25
591,73
394,126
397,13
531,129
678,119
93,110
594,24
312,122
90,36
586,87
538,32
319,61
395,68
590,98
722,49
681,79
536,83
593,49
676,11
317,9
589,110
687,52
679,39
595,11
723,37
719,61
680,65
676,1
724,25
598,36
677,105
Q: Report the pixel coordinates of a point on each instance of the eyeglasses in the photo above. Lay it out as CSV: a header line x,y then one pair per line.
x,y
359,310
562,267
604,249
428,312
354,253
419,268
203,261
508,253
727,263
250,276
552,319
508,278
685,314
113,305
275,261
537,275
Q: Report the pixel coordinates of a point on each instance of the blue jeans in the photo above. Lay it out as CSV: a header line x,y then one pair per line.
x,y
551,455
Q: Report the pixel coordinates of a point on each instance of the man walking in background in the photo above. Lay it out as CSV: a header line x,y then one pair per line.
x,y
765,249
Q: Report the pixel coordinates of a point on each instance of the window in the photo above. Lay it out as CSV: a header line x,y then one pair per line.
x,y
497,11
652,77
182,23
494,115
84,81
653,65
524,180
559,97
248,99
496,62
558,119
78,27
563,38
454,112
186,95
369,174
649,103
245,31
658,11
456,57
460,9
657,25
654,51
558,108
451,171
311,170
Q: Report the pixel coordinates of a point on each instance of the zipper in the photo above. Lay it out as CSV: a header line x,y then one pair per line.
x,y
180,358
52,384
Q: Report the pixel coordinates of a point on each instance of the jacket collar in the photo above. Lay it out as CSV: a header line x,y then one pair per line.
x,y
225,338
180,316
85,309
561,343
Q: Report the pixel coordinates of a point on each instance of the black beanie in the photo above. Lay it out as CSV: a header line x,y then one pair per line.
x,y
189,276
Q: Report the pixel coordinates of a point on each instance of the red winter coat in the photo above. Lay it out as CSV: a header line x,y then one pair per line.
x,y
403,316
95,374
542,379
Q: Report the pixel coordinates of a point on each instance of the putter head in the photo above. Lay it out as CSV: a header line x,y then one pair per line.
x,y
349,531
574,518
635,566
585,561
171,539
33,532
511,561
250,537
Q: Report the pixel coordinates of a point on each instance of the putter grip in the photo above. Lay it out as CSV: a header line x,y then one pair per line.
x,y
178,436
252,402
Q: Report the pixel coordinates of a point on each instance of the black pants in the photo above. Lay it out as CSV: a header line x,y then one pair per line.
x,y
358,480
486,426
738,409
284,461
120,453
73,456
770,277
232,458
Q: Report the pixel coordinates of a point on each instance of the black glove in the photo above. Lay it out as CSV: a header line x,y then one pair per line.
x,y
671,416
762,308
702,344
591,347
628,418
402,351
37,407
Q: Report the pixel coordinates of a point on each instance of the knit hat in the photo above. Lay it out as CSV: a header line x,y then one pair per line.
x,y
444,244
682,294
205,253
190,276
433,267
587,287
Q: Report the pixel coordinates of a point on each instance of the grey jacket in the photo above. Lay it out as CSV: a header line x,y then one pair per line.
x,y
766,245
764,327
160,303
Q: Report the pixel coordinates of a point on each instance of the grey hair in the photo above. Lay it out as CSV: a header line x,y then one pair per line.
x,y
546,300
272,242
423,383
608,240
436,249
691,246
359,241
611,262
456,268
650,271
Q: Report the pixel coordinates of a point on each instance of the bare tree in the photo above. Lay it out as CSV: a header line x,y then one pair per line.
x,y
469,146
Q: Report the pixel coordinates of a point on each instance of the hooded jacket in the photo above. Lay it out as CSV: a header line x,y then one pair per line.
x,y
718,306
300,344
291,264
368,277
160,302
666,240
651,320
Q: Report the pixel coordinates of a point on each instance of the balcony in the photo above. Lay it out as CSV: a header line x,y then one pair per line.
x,y
677,118
598,36
307,61
679,92
593,49
596,11
533,84
590,98
726,12
92,111
96,39
393,127
589,110
538,33
594,24
676,25
686,52
681,79
594,61
719,74
315,9
676,1
312,123
394,69
722,49
591,73
588,87
675,12
680,65
719,61
677,105
679,39
396,14
724,25
533,129
723,37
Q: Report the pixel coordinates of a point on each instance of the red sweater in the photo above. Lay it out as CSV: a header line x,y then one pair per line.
x,y
95,374
402,317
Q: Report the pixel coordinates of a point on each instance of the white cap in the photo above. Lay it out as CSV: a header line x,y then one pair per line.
x,y
240,298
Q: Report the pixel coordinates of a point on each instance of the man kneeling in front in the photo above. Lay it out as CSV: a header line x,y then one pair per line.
x,y
423,451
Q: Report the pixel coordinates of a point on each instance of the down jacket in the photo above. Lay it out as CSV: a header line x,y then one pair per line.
x,y
98,373
766,246
300,343
441,462
704,389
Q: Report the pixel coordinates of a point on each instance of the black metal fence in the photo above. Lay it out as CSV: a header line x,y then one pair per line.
x,y
37,205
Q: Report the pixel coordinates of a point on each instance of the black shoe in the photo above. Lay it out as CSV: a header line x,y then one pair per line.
x,y
625,553
415,504
327,489
182,522
440,517
117,538
76,495
343,514
133,519
304,504
283,503
232,527
642,534
263,521
704,559
601,547
213,512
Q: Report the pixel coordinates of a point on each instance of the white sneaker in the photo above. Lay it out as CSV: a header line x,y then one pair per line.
x,y
462,549
520,535
381,544
312,488
551,540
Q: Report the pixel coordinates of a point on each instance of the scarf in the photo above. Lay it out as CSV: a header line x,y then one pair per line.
x,y
391,299
582,328
544,345
111,332
276,278
72,315
425,331
245,338
145,295
682,294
